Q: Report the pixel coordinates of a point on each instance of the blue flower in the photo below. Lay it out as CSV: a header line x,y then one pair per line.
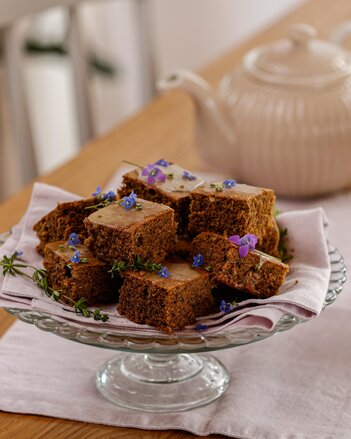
x,y
198,261
128,202
109,196
97,191
18,253
73,239
76,257
162,162
224,306
188,176
229,183
164,272
200,327
246,244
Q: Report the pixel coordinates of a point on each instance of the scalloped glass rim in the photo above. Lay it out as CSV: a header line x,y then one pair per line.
x,y
176,343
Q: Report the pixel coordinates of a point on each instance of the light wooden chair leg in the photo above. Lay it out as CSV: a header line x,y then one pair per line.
x,y
12,47
143,27
81,76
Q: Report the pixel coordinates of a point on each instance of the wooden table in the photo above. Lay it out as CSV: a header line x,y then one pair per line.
x,y
162,129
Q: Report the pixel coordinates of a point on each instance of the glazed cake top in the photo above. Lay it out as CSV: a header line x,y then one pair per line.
x,y
116,216
65,252
239,191
179,182
180,273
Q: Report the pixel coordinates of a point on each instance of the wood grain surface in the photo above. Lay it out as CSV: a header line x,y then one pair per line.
x,y
162,129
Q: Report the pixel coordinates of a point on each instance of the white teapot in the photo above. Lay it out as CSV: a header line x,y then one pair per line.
x,y
281,120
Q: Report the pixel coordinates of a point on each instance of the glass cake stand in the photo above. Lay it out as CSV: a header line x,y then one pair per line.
x,y
169,373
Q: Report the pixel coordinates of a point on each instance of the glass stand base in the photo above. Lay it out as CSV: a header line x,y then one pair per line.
x,y
162,383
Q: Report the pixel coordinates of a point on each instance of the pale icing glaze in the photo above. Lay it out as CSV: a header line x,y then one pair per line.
x,y
179,273
177,183
117,216
66,252
237,191
265,257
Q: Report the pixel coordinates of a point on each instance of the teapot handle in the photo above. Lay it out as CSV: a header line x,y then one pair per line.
x,y
340,34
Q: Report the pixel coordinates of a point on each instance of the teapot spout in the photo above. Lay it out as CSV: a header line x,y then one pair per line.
x,y
214,130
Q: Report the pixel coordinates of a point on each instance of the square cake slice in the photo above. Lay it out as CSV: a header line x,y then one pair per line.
x,y
171,186
67,218
257,273
87,277
121,233
233,210
166,303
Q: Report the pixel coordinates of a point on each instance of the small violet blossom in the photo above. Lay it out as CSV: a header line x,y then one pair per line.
x,y
153,174
246,244
200,327
73,239
18,253
128,202
164,272
188,176
229,183
225,306
76,257
198,261
97,191
109,196
162,162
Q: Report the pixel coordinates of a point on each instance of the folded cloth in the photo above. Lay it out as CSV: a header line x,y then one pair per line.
x,y
296,385
302,295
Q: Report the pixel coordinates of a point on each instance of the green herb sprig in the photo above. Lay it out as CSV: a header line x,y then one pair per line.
x,y
100,205
11,266
137,265
285,253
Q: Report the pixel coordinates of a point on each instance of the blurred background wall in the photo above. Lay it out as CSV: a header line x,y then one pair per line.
x,y
183,33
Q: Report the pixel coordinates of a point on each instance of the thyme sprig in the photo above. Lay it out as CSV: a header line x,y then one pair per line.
x,y
285,253
102,203
12,266
137,265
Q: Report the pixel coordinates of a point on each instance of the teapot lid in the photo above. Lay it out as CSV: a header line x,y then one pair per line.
x,y
300,59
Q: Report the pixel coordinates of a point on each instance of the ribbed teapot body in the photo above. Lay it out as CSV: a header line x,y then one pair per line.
x,y
294,139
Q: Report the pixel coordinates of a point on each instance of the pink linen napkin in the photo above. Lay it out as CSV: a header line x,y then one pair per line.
x,y
293,386
304,299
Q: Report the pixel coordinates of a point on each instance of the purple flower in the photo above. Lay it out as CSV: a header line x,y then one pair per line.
x,y
73,239
229,183
109,196
164,272
128,202
162,162
224,306
18,253
246,244
76,257
153,174
198,261
188,176
200,327
97,191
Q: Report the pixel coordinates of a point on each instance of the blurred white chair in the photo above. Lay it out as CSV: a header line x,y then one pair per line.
x,y
13,10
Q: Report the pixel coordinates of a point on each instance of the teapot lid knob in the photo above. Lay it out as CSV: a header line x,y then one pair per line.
x,y
301,33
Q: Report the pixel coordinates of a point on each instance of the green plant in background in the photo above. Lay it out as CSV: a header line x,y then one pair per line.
x,y
97,64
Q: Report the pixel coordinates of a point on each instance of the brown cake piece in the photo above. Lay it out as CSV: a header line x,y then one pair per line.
x,y
257,273
65,219
166,303
237,210
173,191
118,234
89,279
